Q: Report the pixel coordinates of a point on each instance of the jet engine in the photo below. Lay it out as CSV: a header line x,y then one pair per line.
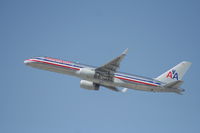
x,y
89,85
87,73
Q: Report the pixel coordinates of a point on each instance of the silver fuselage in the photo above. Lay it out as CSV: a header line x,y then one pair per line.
x,y
120,79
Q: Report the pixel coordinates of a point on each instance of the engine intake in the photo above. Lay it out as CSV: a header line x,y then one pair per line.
x,y
86,73
88,85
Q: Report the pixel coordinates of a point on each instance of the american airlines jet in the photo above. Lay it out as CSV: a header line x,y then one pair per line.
x,y
108,76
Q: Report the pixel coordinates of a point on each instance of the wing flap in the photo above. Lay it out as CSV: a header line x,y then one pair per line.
x,y
116,89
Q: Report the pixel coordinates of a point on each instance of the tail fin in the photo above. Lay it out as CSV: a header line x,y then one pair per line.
x,y
175,73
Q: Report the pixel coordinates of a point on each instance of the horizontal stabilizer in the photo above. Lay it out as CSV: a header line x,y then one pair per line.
x,y
174,84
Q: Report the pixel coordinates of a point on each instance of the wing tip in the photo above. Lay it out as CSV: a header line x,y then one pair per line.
x,y
125,51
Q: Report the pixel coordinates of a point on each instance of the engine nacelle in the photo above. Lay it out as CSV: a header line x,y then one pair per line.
x,y
86,73
89,85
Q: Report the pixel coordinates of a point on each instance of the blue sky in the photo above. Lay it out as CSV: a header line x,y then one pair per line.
x,y
159,34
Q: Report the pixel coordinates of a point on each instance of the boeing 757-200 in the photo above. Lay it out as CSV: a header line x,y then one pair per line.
x,y
108,76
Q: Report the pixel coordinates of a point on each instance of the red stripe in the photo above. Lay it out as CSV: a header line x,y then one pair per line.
x,y
79,69
135,81
54,64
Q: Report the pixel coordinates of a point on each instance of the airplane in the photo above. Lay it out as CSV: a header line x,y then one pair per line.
x,y
108,76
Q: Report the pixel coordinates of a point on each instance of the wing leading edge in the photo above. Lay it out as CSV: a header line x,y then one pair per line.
x,y
113,65
106,72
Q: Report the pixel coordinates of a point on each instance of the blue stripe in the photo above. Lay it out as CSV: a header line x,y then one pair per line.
x,y
59,62
117,74
148,81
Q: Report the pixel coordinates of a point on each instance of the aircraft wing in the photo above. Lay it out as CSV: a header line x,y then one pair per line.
x,y
106,72
113,65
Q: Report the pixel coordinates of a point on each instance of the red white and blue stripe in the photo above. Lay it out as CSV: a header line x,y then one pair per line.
x,y
45,60
75,66
136,79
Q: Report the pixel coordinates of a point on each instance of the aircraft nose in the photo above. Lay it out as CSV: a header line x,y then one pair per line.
x,y
27,61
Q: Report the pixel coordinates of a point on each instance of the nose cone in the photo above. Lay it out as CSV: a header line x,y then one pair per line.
x,y
28,61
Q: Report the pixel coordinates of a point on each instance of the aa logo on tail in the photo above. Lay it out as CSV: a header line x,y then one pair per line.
x,y
172,74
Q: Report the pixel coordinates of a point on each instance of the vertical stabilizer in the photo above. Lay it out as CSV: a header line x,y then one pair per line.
x,y
175,73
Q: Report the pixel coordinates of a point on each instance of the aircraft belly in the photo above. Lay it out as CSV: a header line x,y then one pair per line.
x,y
145,88
102,82
121,83
53,68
